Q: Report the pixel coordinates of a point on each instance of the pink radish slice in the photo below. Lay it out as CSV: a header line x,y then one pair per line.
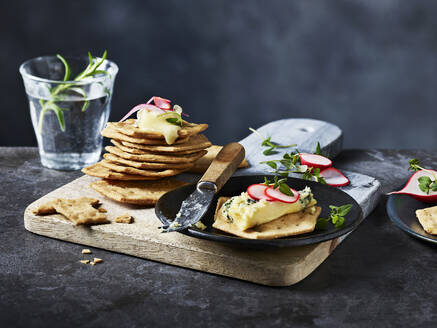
x,y
412,188
148,107
334,177
256,191
314,160
277,195
161,103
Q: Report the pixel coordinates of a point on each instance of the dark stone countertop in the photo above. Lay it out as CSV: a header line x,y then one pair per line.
x,y
378,276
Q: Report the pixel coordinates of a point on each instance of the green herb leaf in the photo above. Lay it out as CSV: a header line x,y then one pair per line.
x,y
272,164
318,149
414,165
66,66
336,216
270,144
285,189
174,120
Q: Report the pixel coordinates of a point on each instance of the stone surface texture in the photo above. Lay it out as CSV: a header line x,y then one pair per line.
x,y
379,275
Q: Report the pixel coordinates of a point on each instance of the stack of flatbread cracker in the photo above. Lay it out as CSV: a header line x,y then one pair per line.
x,y
139,155
138,165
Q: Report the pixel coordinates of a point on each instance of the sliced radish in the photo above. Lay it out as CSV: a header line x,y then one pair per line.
x,y
334,177
256,191
412,188
161,103
314,160
277,195
151,108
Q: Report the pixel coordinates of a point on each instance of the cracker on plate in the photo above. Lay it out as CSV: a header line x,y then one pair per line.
x,y
145,165
133,171
136,192
202,164
100,171
128,128
428,219
192,145
287,225
110,132
161,158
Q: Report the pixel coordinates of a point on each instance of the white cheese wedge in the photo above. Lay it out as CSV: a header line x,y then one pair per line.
x,y
245,212
156,122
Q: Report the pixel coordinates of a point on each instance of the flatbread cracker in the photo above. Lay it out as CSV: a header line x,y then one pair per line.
x,y
110,132
136,192
48,207
100,171
79,211
145,165
147,173
287,225
202,164
189,158
193,144
128,128
428,219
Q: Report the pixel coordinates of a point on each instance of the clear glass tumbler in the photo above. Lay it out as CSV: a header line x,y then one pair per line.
x,y
68,116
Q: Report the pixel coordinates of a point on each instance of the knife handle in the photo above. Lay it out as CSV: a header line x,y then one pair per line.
x,y
224,164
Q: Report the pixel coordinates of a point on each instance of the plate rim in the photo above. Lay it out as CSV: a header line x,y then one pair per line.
x,y
267,243
394,217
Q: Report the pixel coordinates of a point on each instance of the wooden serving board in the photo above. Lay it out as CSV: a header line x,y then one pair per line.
x,y
275,267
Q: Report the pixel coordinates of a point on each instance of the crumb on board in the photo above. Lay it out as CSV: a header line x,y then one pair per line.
x,y
86,251
125,218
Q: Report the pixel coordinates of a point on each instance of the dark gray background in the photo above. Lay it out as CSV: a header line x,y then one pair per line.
x,y
368,66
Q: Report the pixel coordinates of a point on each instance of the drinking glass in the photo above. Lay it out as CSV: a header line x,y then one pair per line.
x,y
68,116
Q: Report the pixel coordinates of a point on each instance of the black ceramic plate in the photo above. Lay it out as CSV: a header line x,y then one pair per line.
x,y
168,205
401,209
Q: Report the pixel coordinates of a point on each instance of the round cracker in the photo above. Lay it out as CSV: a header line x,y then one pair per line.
x,y
100,171
130,129
189,158
145,165
136,192
193,144
110,132
134,171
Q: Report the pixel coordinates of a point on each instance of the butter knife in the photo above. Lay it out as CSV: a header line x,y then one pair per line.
x,y
196,205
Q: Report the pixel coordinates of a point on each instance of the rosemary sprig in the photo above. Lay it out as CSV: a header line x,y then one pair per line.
x,y
336,216
267,142
57,93
426,184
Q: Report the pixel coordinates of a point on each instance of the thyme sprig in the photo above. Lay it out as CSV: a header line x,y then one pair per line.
x,y
426,184
267,142
336,216
290,163
280,184
57,93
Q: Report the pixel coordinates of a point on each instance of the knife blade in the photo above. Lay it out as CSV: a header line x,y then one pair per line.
x,y
194,207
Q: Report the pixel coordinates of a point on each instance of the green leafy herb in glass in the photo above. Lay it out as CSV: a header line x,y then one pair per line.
x,y
57,93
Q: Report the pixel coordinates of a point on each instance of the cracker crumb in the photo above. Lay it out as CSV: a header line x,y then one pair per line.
x,y
102,210
85,261
86,251
97,260
125,218
93,263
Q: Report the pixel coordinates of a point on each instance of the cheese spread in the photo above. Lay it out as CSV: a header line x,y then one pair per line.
x,y
246,212
151,121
